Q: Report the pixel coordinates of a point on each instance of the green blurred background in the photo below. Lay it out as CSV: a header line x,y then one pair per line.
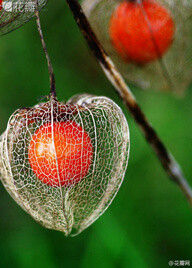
x,y
149,222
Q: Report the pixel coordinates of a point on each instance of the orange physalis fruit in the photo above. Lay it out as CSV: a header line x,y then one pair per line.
x,y
141,32
60,153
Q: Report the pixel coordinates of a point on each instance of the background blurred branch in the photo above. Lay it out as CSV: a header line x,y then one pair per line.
x,y
169,164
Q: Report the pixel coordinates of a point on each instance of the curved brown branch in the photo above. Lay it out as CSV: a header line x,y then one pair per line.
x,y
169,164
50,67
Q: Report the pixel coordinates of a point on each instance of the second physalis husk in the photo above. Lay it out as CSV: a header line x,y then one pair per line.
x,y
150,41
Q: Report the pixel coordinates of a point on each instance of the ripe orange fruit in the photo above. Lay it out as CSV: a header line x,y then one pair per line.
x,y
60,154
141,32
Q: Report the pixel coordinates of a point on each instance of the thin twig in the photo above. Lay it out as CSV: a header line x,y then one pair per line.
x,y
53,94
169,164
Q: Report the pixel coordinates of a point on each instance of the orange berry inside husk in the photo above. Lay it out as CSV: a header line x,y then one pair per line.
x,y
141,32
60,154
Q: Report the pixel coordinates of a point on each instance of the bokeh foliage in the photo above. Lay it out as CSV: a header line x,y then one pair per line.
x,y
149,222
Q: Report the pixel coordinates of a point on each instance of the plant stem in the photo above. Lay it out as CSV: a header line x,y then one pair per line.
x,y
53,94
170,166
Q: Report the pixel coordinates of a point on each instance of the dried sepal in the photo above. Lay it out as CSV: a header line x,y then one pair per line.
x,y
68,208
14,13
173,70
